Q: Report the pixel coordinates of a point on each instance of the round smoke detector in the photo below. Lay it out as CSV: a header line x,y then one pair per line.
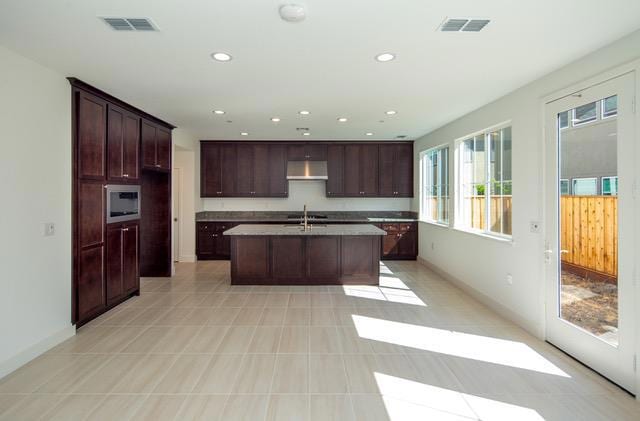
x,y
292,13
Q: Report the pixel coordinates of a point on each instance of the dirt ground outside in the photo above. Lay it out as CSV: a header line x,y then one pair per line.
x,y
591,305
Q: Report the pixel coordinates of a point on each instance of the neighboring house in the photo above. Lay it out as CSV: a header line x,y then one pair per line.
x,y
585,130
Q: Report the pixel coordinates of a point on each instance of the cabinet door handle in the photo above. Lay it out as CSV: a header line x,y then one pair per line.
x,y
157,165
125,229
219,192
125,175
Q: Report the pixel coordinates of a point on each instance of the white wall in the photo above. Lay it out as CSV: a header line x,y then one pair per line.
x,y
311,193
483,263
35,168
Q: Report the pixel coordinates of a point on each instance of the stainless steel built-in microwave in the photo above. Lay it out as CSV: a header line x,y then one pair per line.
x,y
123,203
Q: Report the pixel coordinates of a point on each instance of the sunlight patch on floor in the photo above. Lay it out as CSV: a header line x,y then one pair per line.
x,y
402,296
458,344
407,400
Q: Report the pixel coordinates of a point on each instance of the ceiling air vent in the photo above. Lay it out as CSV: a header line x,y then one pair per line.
x,y
130,24
463,25
475,25
453,25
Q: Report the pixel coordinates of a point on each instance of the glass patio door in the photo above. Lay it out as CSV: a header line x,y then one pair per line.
x,y
590,227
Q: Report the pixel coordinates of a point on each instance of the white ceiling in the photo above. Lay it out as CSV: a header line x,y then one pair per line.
x,y
324,64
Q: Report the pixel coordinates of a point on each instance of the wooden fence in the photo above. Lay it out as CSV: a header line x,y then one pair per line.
x,y
500,208
588,229
500,212
589,233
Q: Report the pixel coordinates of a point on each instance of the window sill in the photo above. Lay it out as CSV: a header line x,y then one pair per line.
x,y
434,223
498,238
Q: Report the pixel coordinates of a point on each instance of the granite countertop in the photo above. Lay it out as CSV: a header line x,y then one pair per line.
x,y
320,229
332,216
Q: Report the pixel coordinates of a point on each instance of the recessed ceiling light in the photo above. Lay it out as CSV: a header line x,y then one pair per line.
x,y
391,112
221,56
244,134
369,134
385,57
275,119
219,112
304,112
342,119
306,134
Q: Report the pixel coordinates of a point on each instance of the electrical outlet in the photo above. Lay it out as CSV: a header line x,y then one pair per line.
x,y
534,227
509,279
49,229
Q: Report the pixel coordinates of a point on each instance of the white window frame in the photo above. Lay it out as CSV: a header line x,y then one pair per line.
x,y
573,188
602,110
460,222
608,177
424,215
576,123
569,117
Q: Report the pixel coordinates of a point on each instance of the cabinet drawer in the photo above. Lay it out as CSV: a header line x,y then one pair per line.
x,y
390,227
407,227
204,227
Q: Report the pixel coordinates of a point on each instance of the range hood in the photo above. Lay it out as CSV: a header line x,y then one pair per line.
x,y
307,170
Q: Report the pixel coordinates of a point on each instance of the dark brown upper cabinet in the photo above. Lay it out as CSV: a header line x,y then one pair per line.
x,y
243,170
91,136
278,184
335,170
156,146
253,170
218,170
396,170
361,170
123,145
258,169
307,152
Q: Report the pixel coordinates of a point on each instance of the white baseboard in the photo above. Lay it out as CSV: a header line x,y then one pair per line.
x,y
503,311
187,258
20,359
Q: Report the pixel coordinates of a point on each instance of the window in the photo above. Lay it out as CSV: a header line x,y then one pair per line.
x,y
563,120
585,186
485,183
434,170
564,186
610,186
584,114
610,106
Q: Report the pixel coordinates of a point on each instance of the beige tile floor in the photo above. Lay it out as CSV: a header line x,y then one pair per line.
x,y
416,348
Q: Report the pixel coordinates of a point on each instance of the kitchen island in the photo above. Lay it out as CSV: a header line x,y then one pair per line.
x,y
336,254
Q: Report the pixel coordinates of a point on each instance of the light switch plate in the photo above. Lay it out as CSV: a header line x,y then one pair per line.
x,y
49,229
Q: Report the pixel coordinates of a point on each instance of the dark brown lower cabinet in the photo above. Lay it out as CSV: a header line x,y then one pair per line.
x,y
122,261
91,288
305,260
287,258
211,244
401,241
323,258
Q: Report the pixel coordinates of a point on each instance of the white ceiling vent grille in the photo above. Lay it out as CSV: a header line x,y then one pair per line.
x,y
463,25
130,24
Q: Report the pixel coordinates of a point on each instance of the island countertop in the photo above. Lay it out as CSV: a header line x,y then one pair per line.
x,y
297,230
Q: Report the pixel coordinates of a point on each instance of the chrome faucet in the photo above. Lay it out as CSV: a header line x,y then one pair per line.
x,y
307,227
